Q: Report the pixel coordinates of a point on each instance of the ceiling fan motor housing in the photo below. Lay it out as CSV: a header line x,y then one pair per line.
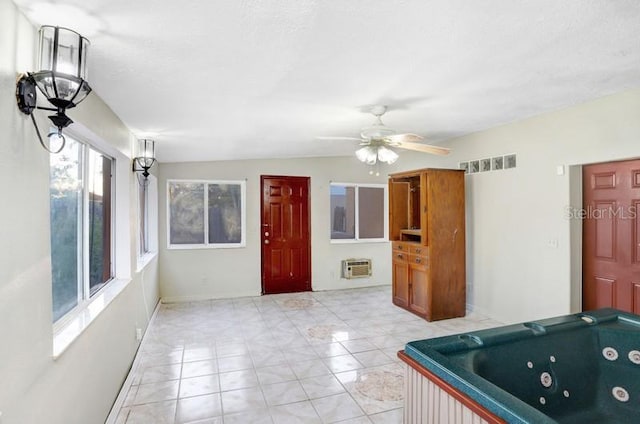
x,y
376,132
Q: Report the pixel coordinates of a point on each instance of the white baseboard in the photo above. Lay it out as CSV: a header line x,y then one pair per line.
x,y
198,298
117,405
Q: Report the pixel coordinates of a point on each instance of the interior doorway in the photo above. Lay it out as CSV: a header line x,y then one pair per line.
x,y
611,236
285,234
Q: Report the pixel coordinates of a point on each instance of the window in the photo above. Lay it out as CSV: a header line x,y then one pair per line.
x,y
206,214
147,217
358,212
81,209
143,219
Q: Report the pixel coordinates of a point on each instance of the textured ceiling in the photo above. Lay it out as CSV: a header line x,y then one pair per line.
x,y
233,79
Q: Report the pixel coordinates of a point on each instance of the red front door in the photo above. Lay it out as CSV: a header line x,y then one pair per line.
x,y
286,239
611,236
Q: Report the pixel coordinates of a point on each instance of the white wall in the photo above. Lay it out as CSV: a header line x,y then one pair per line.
x,y
520,264
523,254
80,386
520,260
515,217
215,273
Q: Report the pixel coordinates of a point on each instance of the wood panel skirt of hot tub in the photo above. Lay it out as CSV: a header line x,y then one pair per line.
x,y
430,400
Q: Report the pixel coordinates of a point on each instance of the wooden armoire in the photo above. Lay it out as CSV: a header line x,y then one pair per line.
x,y
427,231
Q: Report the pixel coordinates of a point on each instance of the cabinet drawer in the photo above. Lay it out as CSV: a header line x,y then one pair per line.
x,y
401,245
418,260
400,256
418,249
410,247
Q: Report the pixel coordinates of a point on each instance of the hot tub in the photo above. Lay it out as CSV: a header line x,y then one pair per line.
x,y
581,368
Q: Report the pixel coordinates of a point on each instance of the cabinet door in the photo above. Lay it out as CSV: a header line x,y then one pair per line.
x,y
398,208
400,280
419,289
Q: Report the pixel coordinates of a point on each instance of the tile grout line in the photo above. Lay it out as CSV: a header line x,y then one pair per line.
x,y
272,318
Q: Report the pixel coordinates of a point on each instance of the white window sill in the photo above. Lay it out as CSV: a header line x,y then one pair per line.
x,y
144,260
206,246
352,241
66,334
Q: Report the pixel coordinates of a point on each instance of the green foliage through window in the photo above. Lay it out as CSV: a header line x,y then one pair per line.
x,y
80,213
208,213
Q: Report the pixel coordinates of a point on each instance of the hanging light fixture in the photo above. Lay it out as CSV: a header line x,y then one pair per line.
x,y
146,157
387,155
367,154
371,154
62,60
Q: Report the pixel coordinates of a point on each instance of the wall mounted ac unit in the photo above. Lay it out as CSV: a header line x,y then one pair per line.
x,y
356,268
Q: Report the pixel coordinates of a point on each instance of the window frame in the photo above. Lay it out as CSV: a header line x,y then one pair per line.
x,y
206,244
85,294
143,217
385,214
87,226
150,232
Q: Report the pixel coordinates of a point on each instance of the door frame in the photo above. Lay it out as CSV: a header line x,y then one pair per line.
x,y
576,198
307,179
576,195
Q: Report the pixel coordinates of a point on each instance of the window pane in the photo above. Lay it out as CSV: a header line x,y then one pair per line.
x,y
66,219
371,212
186,207
225,213
143,199
99,187
343,212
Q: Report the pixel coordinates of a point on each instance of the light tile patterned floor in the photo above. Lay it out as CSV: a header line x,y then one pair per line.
x,y
320,357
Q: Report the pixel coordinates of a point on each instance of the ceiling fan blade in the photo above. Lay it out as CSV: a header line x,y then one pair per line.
x,y
425,148
408,137
339,138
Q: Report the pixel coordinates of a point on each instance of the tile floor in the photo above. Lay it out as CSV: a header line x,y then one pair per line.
x,y
321,357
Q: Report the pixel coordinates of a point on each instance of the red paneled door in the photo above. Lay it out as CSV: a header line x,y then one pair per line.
x,y
611,236
286,238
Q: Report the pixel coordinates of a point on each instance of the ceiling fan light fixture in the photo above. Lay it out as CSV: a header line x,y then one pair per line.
x,y
372,154
387,155
379,142
367,154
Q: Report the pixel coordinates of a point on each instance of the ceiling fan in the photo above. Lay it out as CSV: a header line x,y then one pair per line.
x,y
378,141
